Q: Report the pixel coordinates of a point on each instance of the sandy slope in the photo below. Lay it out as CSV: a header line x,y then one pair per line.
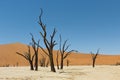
x,y
69,73
8,56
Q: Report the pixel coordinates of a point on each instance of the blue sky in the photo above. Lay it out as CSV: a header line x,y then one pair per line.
x,y
87,24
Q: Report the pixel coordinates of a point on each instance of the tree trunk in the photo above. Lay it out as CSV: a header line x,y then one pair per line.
x,y
36,62
57,65
93,63
61,61
52,63
57,61
31,65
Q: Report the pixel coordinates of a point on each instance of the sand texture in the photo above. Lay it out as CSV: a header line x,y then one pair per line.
x,y
69,73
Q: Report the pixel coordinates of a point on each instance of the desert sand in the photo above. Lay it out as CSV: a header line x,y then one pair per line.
x,y
69,73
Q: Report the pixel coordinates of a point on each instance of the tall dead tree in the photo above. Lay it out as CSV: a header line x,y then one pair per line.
x,y
94,56
28,57
35,48
49,44
63,51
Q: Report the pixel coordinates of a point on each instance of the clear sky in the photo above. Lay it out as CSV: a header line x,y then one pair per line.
x,y
87,24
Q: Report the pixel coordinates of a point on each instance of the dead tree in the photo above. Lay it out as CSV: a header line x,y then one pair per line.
x,y
47,63
42,61
94,56
63,51
48,44
17,64
57,57
28,57
67,62
35,48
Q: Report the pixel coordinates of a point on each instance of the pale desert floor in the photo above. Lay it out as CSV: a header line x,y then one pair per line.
x,y
69,73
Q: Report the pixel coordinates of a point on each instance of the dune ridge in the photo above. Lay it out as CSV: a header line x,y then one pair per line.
x,y
8,56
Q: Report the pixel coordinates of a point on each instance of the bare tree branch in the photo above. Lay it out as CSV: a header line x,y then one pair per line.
x,y
44,51
68,53
64,45
22,55
60,43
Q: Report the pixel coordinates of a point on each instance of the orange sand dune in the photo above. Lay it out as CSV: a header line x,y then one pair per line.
x,y
8,56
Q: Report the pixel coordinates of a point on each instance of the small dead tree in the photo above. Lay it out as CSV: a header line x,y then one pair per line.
x,y
17,64
42,61
28,57
63,51
57,57
49,44
67,62
36,49
47,63
94,56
